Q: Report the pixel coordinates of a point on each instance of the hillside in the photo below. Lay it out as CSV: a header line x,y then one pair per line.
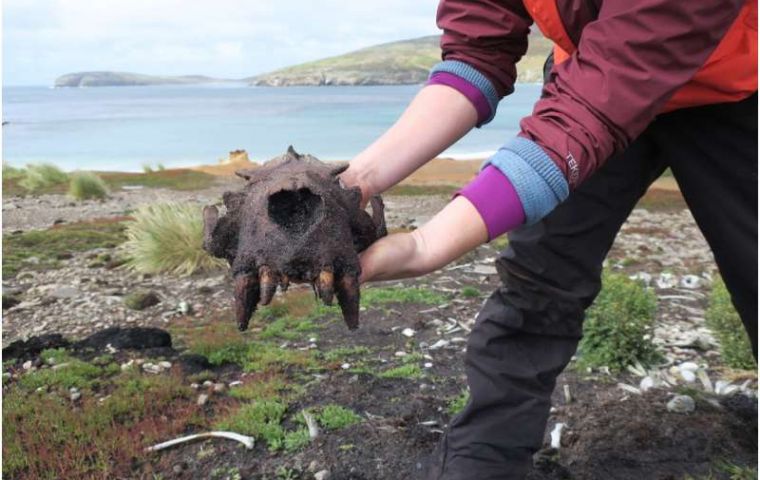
x,y
396,63
118,79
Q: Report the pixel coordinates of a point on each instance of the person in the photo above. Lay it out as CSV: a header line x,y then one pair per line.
x,y
633,88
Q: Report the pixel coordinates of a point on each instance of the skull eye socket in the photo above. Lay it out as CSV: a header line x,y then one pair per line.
x,y
295,210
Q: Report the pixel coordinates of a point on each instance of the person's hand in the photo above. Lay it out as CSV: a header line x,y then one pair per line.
x,y
452,232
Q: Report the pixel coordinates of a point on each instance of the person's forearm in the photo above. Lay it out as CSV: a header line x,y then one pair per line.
x,y
437,117
451,233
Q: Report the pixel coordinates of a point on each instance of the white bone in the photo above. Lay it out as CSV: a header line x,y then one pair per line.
x,y
557,435
311,423
244,439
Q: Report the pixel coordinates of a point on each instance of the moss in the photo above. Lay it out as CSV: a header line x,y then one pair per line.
x,y
335,417
75,373
470,292
403,371
47,245
618,327
722,318
457,404
296,440
260,419
141,299
379,296
500,243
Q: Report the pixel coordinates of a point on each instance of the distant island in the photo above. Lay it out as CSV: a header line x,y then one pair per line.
x,y
124,79
404,62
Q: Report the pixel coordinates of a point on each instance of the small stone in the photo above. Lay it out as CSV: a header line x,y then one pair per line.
x,y
408,332
313,466
208,383
127,366
202,399
688,376
27,365
141,300
647,383
195,386
151,368
184,308
690,282
439,344
681,404
219,387
235,383
75,396
65,292
165,365
322,475
345,366
428,365
400,354
179,468
691,366
73,390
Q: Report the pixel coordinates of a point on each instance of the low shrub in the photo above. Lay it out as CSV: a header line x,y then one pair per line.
x,y
724,321
12,173
41,176
618,327
168,238
85,185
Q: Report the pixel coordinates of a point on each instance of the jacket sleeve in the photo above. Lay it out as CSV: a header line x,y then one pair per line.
x,y
628,64
482,42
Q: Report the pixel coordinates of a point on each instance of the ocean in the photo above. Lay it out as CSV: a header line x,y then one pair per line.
x,y
125,128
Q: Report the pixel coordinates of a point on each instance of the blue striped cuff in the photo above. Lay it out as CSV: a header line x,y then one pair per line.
x,y
471,75
538,182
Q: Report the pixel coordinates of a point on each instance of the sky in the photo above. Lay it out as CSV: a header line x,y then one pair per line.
x,y
43,39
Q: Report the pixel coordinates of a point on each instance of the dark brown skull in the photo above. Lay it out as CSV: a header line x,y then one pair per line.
x,y
293,222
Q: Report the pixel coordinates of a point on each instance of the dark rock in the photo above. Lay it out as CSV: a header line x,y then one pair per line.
x,y
137,338
29,349
193,363
141,300
10,300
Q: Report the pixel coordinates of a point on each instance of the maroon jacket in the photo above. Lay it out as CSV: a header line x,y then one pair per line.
x,y
632,56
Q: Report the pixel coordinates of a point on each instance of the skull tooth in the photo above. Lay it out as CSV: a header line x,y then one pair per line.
x,y
347,290
246,298
284,283
268,281
325,286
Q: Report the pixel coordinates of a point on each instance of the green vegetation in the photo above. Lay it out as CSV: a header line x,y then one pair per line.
x,y
618,326
260,419
404,371
458,403
45,437
344,353
168,238
418,190
42,176
147,168
500,243
378,296
722,318
84,186
41,249
335,417
12,173
470,292
402,62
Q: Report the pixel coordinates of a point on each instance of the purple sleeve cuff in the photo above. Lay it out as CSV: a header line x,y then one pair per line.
x,y
496,201
473,93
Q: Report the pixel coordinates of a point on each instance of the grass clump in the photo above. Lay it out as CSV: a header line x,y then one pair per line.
x,y
404,371
12,173
378,296
458,403
724,321
75,373
343,353
261,419
45,246
174,179
168,238
335,417
85,186
618,327
40,177
470,292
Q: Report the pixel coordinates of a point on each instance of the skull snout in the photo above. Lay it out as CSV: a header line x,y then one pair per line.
x,y
295,210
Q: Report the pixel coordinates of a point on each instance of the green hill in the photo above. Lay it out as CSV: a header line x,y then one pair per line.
x,y
396,63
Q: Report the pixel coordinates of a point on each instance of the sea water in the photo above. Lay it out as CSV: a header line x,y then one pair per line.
x,y
125,128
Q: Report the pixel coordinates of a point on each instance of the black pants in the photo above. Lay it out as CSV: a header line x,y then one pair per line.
x,y
530,327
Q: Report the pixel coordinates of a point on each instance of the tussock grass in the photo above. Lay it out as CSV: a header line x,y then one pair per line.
x,y
12,173
38,177
619,324
85,185
168,238
724,321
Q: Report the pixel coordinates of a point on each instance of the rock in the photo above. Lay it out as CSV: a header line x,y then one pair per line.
x,y
10,300
322,475
74,396
439,344
165,365
345,366
27,365
141,300
313,466
219,387
408,332
137,338
31,348
690,282
647,383
681,404
202,399
184,308
64,292
483,270
666,280
151,368
688,376
208,384
691,366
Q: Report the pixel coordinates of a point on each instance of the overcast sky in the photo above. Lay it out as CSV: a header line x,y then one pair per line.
x,y
225,38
